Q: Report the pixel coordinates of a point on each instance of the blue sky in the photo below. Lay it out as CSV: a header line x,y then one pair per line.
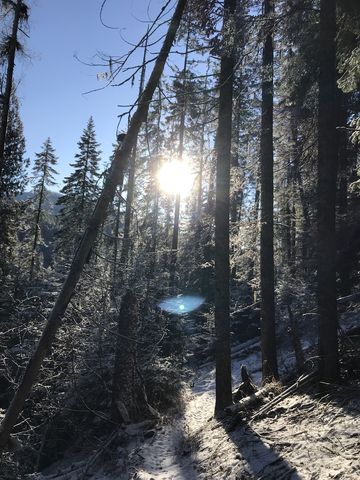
x,y
51,83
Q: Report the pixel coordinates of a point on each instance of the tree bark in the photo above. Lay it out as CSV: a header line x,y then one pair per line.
x,y
125,407
326,189
107,195
222,211
268,335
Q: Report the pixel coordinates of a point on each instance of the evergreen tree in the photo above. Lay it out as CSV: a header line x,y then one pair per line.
x,y
13,178
44,176
9,47
12,182
79,192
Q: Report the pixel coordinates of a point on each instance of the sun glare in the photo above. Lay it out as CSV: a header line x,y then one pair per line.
x,y
176,177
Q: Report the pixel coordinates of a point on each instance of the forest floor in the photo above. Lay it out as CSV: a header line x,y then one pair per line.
x,y
309,435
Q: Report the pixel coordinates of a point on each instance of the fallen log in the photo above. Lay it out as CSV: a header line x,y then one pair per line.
x,y
303,380
249,401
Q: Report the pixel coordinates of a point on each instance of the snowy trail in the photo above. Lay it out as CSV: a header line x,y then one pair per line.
x,y
172,454
169,454
305,437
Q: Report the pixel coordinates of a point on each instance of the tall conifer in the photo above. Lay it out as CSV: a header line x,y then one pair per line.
x,y
44,172
79,192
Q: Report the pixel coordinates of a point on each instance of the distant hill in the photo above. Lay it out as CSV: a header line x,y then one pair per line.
x,y
49,204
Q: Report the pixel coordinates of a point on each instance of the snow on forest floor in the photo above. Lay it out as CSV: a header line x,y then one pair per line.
x,y
307,436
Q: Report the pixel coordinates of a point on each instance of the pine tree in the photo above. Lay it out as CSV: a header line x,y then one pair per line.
x,y
79,192
44,174
12,183
13,178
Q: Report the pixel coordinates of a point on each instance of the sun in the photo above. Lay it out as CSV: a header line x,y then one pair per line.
x,y
176,177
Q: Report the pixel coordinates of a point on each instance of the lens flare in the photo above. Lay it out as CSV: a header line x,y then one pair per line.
x,y
181,304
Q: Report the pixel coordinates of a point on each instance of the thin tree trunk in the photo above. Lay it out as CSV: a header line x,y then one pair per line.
x,y
295,340
107,195
200,179
268,335
327,175
37,226
155,214
116,240
131,181
222,212
175,236
9,83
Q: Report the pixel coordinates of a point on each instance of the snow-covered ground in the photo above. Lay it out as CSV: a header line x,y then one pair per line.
x,y
308,436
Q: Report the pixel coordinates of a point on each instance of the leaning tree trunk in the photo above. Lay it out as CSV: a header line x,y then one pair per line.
x,y
327,175
268,336
9,83
89,237
222,212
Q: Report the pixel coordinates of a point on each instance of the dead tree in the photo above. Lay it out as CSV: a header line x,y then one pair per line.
x,y
107,195
125,405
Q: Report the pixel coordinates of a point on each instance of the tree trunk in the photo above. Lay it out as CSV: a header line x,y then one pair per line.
x,y
116,241
37,226
222,211
9,83
295,340
268,335
107,195
131,182
155,209
175,237
125,407
327,174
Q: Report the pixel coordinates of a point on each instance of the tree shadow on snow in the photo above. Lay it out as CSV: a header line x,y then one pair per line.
x,y
258,460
